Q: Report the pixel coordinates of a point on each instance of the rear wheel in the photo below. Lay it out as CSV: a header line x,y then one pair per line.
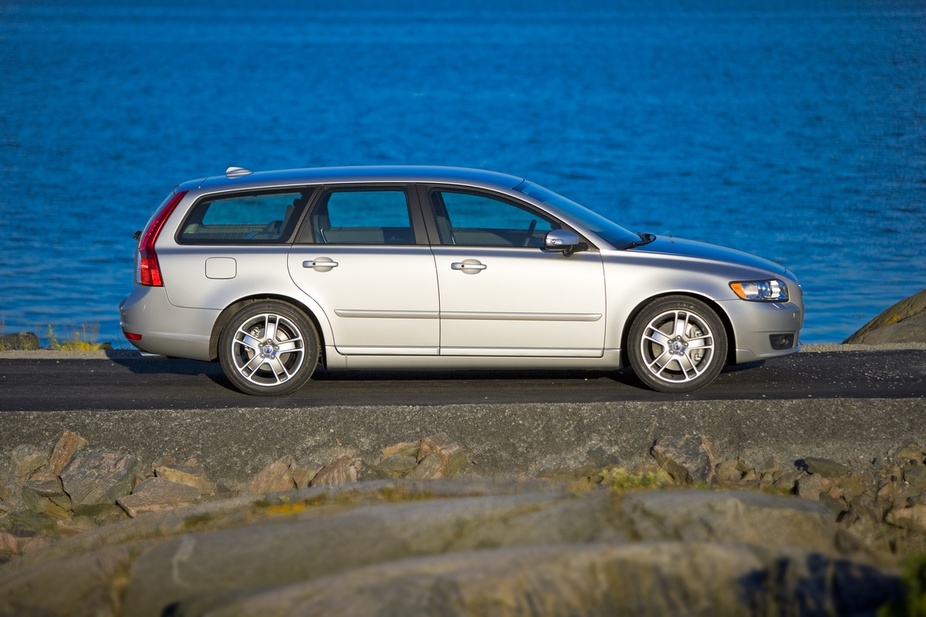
x,y
268,348
677,344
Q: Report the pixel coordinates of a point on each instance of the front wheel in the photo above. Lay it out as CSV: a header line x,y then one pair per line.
x,y
677,344
268,348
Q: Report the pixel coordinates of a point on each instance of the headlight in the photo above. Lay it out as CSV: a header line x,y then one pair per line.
x,y
761,291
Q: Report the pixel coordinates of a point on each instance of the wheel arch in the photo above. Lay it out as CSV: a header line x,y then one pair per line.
x,y
712,304
226,315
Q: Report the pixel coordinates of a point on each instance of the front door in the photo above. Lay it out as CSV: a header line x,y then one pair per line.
x,y
502,294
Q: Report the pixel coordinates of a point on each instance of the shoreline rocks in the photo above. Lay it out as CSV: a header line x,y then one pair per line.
x,y
46,492
904,322
460,547
171,540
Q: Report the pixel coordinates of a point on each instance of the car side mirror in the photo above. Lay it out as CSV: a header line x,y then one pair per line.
x,y
564,241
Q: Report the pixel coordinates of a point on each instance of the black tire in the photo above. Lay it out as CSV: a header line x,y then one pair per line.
x,y
268,348
677,344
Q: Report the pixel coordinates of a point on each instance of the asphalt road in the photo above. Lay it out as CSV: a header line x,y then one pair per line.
x,y
123,382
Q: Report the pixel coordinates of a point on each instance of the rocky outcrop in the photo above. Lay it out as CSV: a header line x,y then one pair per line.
x,y
904,322
53,493
355,536
461,548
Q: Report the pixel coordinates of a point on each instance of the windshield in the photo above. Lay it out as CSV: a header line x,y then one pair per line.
x,y
608,230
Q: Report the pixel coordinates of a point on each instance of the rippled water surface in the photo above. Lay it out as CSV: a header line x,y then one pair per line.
x,y
789,129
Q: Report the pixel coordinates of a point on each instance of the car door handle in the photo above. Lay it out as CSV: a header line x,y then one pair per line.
x,y
320,264
468,266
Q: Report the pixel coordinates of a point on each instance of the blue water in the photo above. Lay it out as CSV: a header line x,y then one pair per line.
x,y
791,129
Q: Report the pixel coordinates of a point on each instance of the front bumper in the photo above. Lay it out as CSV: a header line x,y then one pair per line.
x,y
760,328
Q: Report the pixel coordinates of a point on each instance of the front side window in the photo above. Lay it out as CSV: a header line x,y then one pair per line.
x,y
362,217
475,219
610,231
264,218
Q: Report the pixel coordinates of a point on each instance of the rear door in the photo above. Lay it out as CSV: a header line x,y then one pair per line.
x,y
360,259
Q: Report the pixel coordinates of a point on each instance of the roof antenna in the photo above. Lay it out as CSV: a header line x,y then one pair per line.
x,y
236,172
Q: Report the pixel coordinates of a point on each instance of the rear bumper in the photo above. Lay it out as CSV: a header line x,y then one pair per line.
x,y
165,329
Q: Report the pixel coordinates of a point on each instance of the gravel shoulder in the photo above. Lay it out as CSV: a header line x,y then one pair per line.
x,y
501,440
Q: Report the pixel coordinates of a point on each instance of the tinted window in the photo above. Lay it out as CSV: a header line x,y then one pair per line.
x,y
475,219
604,228
362,217
243,219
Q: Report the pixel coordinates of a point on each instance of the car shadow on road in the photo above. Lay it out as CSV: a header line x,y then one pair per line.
x,y
623,378
163,365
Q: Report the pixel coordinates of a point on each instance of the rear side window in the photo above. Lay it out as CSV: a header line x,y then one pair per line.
x,y
362,217
257,218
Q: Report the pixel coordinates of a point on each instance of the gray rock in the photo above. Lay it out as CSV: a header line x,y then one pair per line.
x,y
825,467
428,468
548,553
395,466
904,322
95,479
46,495
20,341
912,453
665,578
913,517
82,588
687,459
772,466
278,476
728,471
156,495
454,460
16,544
809,487
61,455
915,476
730,516
26,460
190,474
406,448
315,546
345,470
863,524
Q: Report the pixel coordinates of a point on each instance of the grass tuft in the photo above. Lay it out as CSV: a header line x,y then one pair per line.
x,y
81,340
620,478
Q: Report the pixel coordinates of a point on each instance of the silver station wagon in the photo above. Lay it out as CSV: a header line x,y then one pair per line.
x,y
275,272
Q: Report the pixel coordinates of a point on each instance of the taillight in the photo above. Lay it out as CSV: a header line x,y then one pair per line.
x,y
149,271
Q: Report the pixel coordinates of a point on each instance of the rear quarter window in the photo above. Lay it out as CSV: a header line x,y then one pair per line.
x,y
257,218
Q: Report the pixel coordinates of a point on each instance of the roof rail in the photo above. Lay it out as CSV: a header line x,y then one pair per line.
x,y
237,172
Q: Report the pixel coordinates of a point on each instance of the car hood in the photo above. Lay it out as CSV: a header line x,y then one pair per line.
x,y
667,245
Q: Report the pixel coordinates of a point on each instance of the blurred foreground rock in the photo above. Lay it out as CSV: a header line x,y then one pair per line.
x,y
339,535
459,548
905,322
